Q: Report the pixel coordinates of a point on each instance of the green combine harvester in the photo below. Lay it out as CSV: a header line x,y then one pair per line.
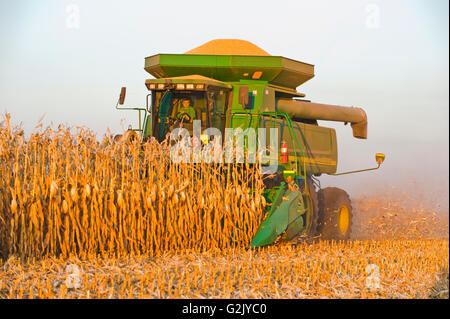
x,y
235,84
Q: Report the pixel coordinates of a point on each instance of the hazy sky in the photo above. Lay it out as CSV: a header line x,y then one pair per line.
x,y
388,57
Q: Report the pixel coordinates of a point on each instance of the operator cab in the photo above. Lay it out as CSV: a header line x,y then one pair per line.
x,y
177,102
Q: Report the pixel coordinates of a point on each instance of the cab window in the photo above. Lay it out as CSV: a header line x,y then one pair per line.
x,y
217,100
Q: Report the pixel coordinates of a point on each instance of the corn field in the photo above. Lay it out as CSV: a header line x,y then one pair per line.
x,y
70,195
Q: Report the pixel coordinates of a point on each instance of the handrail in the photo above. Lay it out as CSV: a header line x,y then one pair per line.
x,y
242,113
139,109
292,133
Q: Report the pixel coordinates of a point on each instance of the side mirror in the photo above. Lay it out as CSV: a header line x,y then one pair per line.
x,y
379,157
123,91
243,95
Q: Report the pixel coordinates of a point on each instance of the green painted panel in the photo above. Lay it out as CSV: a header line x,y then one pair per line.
x,y
276,70
318,144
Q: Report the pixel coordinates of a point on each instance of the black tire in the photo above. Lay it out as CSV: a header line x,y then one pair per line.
x,y
335,214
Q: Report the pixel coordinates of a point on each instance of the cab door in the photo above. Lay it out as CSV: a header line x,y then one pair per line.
x,y
217,106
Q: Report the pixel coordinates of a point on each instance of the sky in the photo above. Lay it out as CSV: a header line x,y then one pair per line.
x,y
65,61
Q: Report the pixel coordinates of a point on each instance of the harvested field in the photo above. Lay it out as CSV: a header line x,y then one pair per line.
x,y
401,269
379,217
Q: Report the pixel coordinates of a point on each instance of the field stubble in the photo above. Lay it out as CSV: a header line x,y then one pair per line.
x,y
403,269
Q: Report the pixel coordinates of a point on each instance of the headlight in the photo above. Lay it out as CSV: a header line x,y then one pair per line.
x,y
189,86
161,86
180,86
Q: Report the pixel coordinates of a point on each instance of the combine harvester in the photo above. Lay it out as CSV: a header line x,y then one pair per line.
x,y
235,84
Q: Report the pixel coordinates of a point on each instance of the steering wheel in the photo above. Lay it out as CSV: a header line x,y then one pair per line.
x,y
181,115
170,121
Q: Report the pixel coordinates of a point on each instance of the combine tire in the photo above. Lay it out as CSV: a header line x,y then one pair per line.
x,y
335,214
